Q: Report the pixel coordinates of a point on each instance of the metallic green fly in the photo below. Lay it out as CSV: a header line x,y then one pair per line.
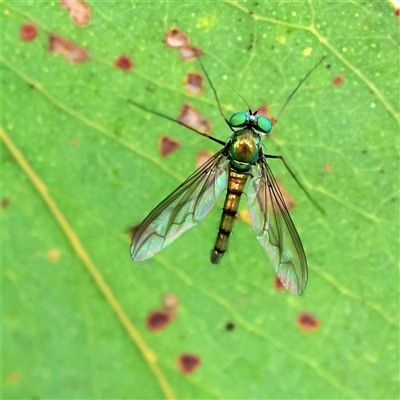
x,y
240,160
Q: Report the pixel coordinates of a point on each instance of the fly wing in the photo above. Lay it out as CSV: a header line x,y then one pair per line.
x,y
182,209
275,230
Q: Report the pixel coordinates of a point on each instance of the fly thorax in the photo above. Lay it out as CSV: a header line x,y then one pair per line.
x,y
244,149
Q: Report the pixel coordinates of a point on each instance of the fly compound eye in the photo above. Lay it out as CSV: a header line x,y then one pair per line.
x,y
264,124
238,119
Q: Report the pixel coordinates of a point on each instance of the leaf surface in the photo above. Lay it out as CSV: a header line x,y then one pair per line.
x,y
97,158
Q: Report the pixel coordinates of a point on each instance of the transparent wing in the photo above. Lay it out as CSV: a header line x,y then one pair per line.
x,y
181,210
275,230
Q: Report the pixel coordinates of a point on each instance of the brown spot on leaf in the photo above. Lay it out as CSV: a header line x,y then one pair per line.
x,y
79,11
28,32
191,117
170,301
157,320
4,203
176,38
189,52
193,83
338,80
13,377
202,157
53,255
290,204
265,112
71,51
397,12
133,230
168,145
124,63
170,304
278,284
328,167
188,363
307,321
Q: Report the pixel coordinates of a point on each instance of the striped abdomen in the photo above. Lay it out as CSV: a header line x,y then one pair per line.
x,y
236,184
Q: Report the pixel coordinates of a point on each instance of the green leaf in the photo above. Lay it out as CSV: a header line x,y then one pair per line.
x,y
75,305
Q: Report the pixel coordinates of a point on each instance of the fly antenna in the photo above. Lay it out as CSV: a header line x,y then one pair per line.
x,y
140,106
212,87
298,86
247,104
